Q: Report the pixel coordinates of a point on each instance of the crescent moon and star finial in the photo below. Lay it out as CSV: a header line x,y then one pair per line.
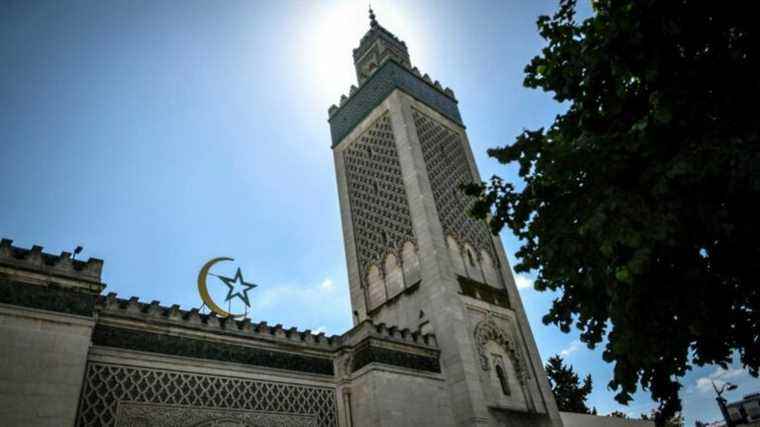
x,y
238,288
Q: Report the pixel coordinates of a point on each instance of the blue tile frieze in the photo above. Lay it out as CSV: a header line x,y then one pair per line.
x,y
388,77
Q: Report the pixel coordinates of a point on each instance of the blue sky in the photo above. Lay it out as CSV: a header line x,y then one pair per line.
x,y
159,134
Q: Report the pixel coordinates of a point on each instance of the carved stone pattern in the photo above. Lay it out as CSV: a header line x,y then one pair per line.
x,y
447,167
379,206
487,330
131,414
51,297
346,364
108,386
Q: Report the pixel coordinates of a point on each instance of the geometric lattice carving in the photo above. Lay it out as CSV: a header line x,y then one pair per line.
x,y
379,206
487,330
448,168
107,386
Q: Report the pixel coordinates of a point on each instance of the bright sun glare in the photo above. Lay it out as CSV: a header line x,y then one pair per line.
x,y
335,29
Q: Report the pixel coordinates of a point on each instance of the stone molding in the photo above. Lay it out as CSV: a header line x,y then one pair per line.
x,y
130,414
141,359
46,315
141,340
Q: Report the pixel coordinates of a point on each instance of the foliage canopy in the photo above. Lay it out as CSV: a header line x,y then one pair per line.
x,y
640,202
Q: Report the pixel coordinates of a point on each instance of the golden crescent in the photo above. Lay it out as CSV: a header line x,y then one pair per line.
x,y
203,290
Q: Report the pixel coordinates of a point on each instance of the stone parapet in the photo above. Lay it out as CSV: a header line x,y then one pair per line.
x,y
54,266
381,331
112,306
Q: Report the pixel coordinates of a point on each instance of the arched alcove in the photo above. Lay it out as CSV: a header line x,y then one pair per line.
x,y
376,292
456,256
394,279
411,263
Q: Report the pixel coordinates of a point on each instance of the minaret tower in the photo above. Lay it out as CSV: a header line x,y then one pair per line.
x,y
415,258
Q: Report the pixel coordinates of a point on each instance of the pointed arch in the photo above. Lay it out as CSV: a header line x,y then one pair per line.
x,y
487,330
394,279
410,263
455,254
376,292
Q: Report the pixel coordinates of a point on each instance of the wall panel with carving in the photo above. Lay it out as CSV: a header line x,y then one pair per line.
x,y
448,167
116,395
379,207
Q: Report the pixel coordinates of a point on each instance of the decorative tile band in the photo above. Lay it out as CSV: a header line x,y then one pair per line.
x,y
190,347
50,297
483,292
371,93
372,354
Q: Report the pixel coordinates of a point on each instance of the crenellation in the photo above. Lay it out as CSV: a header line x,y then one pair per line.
x,y
307,337
63,265
109,301
134,306
193,317
5,247
174,313
246,326
354,90
154,309
212,321
65,261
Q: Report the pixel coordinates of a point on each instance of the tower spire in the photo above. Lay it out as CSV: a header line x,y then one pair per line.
x,y
372,21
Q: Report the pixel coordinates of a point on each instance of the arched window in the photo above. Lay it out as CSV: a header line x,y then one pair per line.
x,y
503,380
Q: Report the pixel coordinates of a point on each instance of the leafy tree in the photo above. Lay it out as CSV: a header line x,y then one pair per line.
x,y
640,201
568,392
